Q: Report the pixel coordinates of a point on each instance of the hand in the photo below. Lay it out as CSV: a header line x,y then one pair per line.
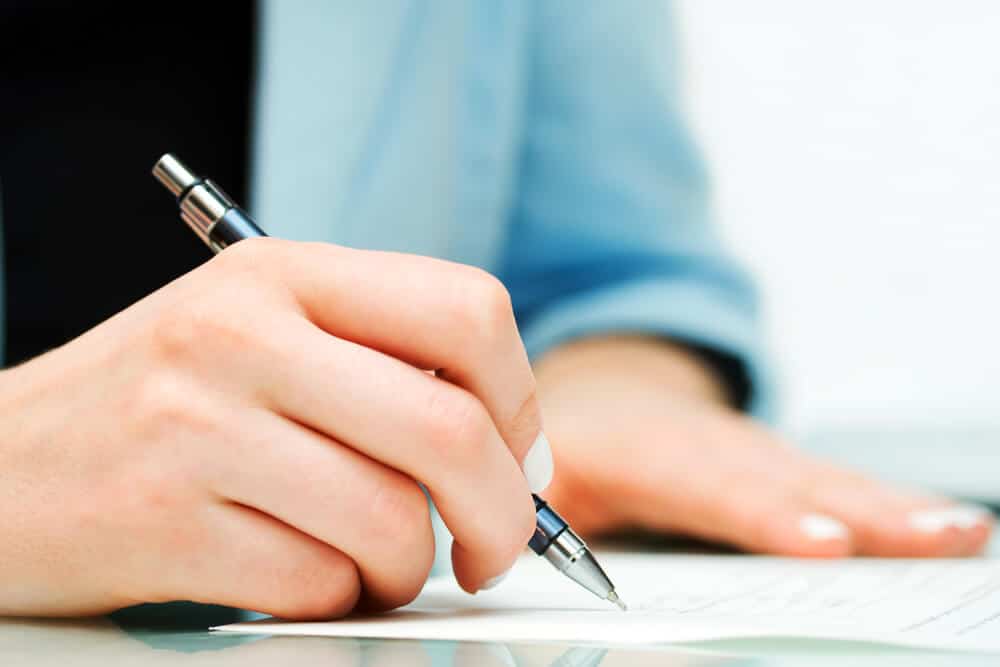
x,y
642,439
253,435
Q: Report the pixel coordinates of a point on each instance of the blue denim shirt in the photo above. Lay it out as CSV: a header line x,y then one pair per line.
x,y
541,140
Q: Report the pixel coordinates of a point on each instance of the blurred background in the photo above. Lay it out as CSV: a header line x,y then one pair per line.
x,y
855,148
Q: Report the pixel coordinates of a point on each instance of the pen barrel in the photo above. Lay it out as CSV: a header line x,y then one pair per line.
x,y
235,225
205,207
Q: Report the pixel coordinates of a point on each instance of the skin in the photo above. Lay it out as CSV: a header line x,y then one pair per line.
x,y
253,435
643,438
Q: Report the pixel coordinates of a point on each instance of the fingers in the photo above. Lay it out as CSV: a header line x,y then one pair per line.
x,y
249,560
374,515
886,521
725,504
352,371
762,496
421,426
435,315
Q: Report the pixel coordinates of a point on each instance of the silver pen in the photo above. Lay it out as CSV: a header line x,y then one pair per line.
x,y
219,222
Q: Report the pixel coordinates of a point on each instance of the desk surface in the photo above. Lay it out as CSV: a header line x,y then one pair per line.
x,y
156,638
102,642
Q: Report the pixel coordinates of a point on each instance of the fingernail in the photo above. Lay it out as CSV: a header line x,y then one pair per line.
x,y
938,519
538,465
494,582
820,527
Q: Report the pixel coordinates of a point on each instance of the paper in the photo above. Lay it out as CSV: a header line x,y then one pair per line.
x,y
672,598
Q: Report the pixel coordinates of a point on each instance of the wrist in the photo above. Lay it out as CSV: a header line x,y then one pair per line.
x,y
659,364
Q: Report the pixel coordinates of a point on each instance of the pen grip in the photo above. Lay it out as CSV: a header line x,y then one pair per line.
x,y
548,526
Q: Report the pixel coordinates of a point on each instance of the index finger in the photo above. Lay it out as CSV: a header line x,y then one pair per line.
x,y
454,319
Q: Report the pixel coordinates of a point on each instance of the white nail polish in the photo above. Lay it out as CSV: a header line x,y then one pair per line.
x,y
494,582
938,519
821,528
538,465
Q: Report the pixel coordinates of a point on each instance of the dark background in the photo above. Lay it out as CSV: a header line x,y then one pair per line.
x,y
91,94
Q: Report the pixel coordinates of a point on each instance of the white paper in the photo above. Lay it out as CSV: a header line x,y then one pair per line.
x,y
672,598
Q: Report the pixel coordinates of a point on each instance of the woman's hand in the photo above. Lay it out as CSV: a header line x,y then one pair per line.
x,y
642,438
253,435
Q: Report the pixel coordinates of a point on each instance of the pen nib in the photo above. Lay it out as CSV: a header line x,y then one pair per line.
x,y
613,597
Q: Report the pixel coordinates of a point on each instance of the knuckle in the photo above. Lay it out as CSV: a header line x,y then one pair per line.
x,y
213,316
402,515
162,400
186,334
249,255
170,418
321,587
495,297
485,306
456,423
177,333
401,512
250,271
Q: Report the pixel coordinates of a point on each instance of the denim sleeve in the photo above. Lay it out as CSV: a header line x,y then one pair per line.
x,y
611,228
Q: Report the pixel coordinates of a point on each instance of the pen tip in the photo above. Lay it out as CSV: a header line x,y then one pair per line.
x,y
613,597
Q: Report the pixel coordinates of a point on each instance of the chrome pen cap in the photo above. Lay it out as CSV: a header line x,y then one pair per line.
x,y
201,201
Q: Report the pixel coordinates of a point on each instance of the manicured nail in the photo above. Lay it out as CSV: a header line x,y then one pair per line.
x,y
938,519
538,464
494,582
821,528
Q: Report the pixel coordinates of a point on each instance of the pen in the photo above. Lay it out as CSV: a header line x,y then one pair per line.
x,y
219,222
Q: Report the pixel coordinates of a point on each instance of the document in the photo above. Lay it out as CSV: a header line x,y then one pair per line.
x,y
683,598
